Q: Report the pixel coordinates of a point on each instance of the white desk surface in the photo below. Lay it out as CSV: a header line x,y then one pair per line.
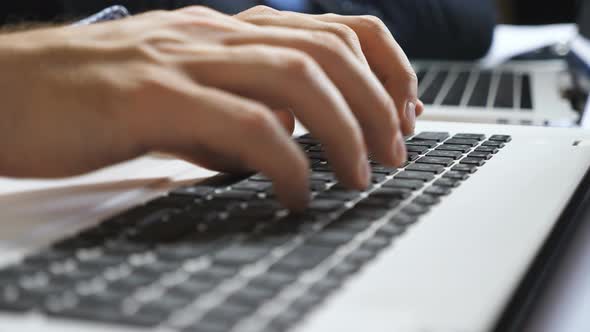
x,y
564,305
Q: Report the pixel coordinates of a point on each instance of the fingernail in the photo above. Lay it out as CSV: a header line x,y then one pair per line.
x,y
411,114
364,173
400,149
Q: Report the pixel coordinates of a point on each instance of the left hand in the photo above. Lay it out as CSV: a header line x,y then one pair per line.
x,y
371,42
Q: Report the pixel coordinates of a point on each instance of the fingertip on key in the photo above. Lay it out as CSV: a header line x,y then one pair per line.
x,y
400,153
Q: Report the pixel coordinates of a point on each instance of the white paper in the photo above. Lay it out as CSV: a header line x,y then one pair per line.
x,y
511,40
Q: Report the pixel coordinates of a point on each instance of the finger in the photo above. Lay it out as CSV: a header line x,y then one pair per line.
x,y
370,102
286,118
267,16
282,78
372,106
388,61
206,119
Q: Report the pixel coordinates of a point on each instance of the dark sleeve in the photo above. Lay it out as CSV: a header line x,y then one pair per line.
x,y
442,29
16,11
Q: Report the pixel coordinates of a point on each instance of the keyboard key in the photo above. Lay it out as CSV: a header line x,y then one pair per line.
x,y
190,290
427,200
343,195
391,193
303,258
486,149
415,209
495,144
390,230
132,282
110,314
431,136
323,176
352,220
446,162
250,296
331,238
433,89
431,168
472,161
214,274
526,99
14,299
412,156
420,149
455,94
379,205
505,91
163,227
479,96
422,143
403,219
479,137
437,191
462,176
318,186
377,243
445,154
446,182
501,138
359,258
194,191
480,155
236,195
256,186
462,142
408,184
377,178
452,147
386,170
325,205
464,168
423,176
239,254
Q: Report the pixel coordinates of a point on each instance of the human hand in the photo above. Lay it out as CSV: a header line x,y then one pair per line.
x,y
194,83
372,44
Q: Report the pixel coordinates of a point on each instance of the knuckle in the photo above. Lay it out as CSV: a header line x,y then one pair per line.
x,y
199,10
148,82
373,23
298,64
257,120
345,33
409,79
157,13
263,10
329,42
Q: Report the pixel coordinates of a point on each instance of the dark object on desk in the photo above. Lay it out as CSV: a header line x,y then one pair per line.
x,y
435,29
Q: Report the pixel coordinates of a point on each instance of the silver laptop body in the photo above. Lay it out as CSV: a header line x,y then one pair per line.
x,y
516,92
455,269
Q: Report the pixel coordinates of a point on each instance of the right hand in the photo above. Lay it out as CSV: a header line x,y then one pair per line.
x,y
197,84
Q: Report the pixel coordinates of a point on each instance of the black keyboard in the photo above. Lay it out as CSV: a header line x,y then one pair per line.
x,y
228,257
477,88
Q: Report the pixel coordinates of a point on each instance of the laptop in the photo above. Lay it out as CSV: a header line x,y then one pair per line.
x,y
515,92
538,87
449,242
